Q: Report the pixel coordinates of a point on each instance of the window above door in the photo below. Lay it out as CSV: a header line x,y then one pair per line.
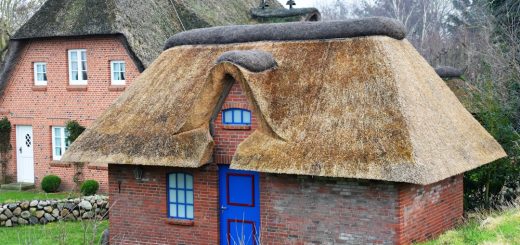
x,y
235,116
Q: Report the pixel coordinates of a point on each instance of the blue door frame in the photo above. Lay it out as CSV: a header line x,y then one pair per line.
x,y
239,206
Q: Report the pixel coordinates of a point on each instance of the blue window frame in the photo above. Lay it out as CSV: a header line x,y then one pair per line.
x,y
180,196
236,116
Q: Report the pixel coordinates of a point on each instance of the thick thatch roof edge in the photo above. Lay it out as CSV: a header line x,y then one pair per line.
x,y
374,26
253,60
13,54
262,13
449,72
137,61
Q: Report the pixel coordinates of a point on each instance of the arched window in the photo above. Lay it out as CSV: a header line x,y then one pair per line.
x,y
180,196
236,116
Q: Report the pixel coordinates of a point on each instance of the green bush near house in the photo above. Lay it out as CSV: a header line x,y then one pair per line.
x,y
89,187
74,129
51,183
5,135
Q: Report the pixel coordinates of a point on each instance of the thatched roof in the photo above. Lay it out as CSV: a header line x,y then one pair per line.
x,y
145,24
365,107
142,25
465,92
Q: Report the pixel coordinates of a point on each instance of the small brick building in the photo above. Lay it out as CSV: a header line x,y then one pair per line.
x,y
72,59
297,133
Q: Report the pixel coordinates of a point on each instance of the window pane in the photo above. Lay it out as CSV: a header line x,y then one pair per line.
x,y
83,55
180,196
44,66
74,66
189,197
57,151
180,180
228,116
122,76
117,76
182,211
57,132
189,212
247,117
237,116
39,68
44,77
84,75
123,68
173,180
73,55
40,77
74,75
173,210
116,66
83,65
173,197
189,181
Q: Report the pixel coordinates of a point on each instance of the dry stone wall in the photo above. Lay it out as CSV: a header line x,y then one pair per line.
x,y
45,211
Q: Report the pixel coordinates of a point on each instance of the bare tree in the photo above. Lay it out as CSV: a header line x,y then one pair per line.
x,y
335,10
425,21
13,14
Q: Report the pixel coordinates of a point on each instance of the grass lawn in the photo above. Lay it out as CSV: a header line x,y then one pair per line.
x,y
14,196
498,228
54,233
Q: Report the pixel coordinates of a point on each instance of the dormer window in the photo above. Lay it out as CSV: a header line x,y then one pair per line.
x,y
40,74
236,116
78,67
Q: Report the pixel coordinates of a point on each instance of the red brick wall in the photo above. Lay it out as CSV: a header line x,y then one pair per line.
x,y
427,211
227,138
55,104
306,210
138,213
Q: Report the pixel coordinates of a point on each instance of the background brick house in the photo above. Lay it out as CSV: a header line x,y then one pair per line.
x,y
322,133
72,59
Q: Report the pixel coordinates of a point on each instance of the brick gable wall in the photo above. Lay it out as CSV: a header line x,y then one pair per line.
x,y
55,104
294,209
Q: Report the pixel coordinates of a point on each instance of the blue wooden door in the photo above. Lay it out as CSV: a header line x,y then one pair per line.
x,y
239,206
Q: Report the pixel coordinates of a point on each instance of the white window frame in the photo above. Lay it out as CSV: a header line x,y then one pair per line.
x,y
35,67
112,71
80,80
64,145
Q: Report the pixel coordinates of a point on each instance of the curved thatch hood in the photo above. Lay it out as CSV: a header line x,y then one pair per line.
x,y
358,107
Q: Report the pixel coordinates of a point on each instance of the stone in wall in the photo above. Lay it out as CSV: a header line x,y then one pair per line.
x,y
45,211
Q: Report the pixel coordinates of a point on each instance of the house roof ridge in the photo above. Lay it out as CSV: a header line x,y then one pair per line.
x,y
291,31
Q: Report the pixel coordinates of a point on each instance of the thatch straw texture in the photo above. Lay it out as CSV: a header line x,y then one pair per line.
x,y
145,24
364,107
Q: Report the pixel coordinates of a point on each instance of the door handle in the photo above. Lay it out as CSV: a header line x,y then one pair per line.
x,y
20,150
223,207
